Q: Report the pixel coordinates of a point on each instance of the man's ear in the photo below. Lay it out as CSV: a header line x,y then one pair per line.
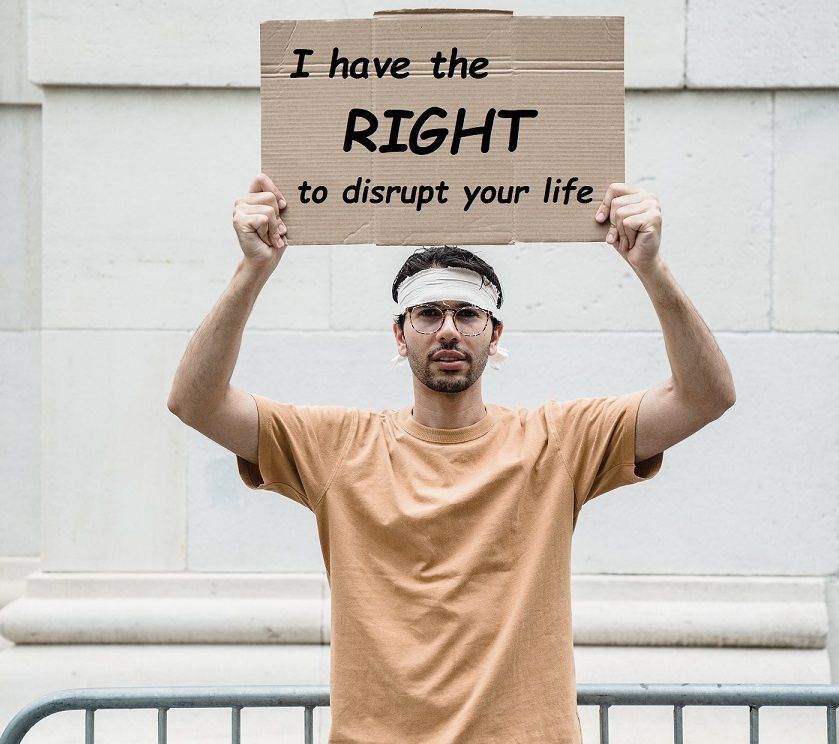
x,y
496,334
399,335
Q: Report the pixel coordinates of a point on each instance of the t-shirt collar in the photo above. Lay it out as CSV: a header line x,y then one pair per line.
x,y
407,422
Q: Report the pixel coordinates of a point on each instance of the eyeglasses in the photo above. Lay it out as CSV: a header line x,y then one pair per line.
x,y
469,320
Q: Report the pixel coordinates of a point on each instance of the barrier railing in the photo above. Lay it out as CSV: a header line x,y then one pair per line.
x,y
604,697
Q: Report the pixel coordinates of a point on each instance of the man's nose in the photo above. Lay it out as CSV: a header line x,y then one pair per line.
x,y
448,329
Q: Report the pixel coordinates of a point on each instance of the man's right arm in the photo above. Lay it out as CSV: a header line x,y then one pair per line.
x,y
202,396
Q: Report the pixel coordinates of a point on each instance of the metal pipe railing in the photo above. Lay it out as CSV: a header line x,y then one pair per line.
x,y
604,696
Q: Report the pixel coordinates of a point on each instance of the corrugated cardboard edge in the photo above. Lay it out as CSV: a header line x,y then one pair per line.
x,y
420,11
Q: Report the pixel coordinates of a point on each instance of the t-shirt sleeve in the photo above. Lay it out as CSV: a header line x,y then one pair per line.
x,y
596,438
300,449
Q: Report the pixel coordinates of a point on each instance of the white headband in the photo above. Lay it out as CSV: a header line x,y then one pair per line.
x,y
452,283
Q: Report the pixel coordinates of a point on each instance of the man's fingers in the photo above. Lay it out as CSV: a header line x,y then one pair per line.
x,y
633,198
636,223
257,223
615,189
269,211
615,192
262,220
270,233
617,232
637,198
266,198
621,200
625,231
263,183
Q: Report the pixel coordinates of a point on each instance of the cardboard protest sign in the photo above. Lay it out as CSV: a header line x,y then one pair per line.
x,y
422,127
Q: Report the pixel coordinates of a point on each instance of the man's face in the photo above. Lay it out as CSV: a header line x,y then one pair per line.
x,y
437,374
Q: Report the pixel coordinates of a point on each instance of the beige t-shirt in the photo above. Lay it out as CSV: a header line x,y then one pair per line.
x,y
447,553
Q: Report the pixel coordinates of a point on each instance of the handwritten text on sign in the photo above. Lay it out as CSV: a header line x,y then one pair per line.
x,y
424,140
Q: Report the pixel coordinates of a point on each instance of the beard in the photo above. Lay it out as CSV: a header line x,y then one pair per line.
x,y
448,380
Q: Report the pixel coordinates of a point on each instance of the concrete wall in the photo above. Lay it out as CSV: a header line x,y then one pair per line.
x,y
20,307
135,125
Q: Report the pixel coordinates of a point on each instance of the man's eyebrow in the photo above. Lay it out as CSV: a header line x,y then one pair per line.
x,y
456,303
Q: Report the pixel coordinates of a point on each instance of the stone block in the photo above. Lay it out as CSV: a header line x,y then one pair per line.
x,y
113,456
20,215
138,198
20,452
762,44
805,261
708,157
14,74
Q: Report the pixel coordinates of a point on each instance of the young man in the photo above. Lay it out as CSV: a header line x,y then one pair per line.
x,y
446,526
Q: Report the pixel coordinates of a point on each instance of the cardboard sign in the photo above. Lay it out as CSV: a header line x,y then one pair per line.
x,y
428,127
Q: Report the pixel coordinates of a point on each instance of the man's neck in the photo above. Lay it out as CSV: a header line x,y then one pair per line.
x,y
448,410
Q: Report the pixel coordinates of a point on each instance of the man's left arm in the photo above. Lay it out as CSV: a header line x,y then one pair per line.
x,y
701,387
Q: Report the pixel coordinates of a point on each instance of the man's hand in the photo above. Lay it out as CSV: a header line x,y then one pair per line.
x,y
256,219
635,218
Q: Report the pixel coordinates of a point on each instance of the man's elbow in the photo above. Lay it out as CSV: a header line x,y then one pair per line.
x,y
730,397
174,407
726,401
711,406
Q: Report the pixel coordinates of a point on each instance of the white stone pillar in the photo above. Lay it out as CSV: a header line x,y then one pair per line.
x,y
20,308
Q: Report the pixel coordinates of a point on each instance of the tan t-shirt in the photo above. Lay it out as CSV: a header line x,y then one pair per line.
x,y
448,557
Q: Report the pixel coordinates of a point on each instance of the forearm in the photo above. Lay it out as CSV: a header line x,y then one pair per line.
x,y
700,372
203,376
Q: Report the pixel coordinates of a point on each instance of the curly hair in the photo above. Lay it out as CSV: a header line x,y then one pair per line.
x,y
444,257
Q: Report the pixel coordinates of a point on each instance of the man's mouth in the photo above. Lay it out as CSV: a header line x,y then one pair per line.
x,y
449,360
453,364
448,356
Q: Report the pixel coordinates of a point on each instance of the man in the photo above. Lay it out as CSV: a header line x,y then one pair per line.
x,y
446,527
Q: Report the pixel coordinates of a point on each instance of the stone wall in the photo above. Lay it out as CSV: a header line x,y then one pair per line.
x,y
128,130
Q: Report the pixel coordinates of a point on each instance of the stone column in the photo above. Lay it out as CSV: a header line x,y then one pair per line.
x,y
20,308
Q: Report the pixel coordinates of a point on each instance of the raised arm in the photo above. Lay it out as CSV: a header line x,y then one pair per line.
x,y
701,387
202,396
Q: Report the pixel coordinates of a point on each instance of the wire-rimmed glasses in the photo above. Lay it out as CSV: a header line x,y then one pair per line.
x,y
469,320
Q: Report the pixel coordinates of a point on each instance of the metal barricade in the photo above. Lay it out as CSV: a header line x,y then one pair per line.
x,y
604,697
679,696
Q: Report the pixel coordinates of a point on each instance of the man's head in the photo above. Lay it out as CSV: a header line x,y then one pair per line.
x,y
471,283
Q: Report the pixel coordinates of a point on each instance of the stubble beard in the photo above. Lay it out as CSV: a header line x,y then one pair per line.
x,y
448,381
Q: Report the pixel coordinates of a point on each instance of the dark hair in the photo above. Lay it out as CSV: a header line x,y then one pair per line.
x,y
444,257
